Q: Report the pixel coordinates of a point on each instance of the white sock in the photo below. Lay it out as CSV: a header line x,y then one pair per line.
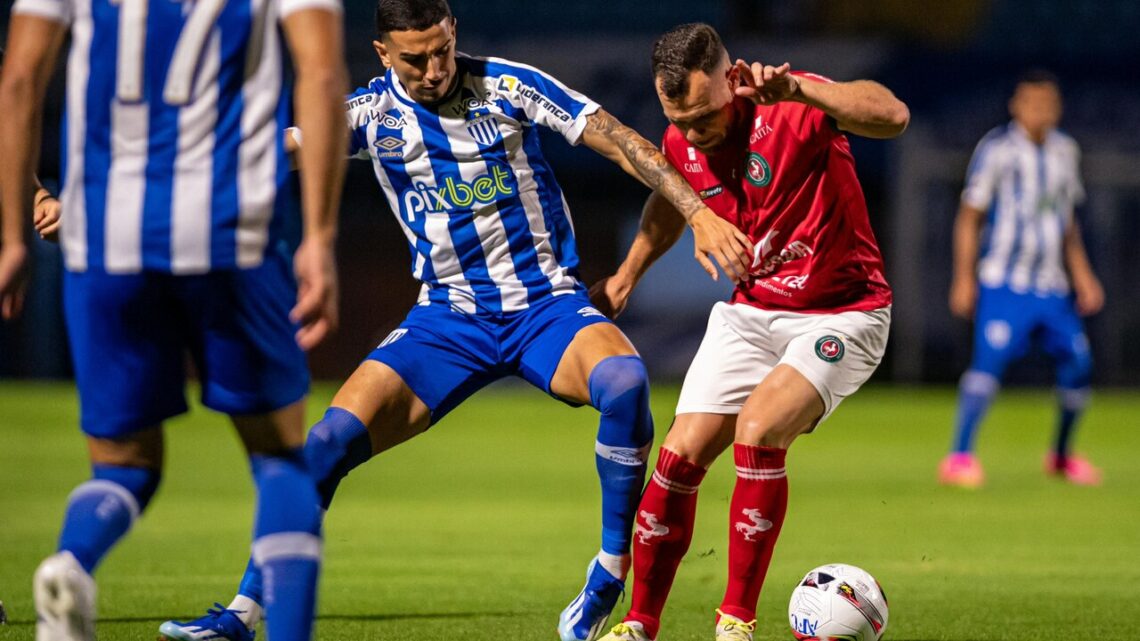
x,y
616,565
246,609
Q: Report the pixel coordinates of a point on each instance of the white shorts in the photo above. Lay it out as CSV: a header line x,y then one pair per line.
x,y
836,352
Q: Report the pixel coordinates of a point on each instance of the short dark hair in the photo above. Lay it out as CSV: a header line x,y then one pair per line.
x,y
1039,77
409,15
689,47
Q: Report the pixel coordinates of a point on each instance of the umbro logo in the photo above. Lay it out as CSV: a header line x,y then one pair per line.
x,y
389,143
590,311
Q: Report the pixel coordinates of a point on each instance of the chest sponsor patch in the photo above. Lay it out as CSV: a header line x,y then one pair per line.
x,y
758,170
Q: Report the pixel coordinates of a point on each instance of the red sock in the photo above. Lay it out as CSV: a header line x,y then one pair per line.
x,y
664,529
755,517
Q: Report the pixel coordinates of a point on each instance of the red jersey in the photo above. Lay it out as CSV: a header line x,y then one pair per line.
x,y
785,176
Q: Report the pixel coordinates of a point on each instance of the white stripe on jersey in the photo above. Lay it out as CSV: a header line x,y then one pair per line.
x,y
1031,191
488,221
257,167
444,259
73,226
123,219
192,194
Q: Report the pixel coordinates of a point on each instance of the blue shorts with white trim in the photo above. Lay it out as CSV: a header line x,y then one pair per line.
x,y
445,355
130,334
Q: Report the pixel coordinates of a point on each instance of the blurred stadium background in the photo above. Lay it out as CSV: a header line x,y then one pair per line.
x,y
953,62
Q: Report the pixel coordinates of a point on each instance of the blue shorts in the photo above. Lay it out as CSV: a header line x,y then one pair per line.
x,y
130,334
1009,324
445,356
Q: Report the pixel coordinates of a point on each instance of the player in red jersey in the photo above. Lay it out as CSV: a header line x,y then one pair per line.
x,y
765,148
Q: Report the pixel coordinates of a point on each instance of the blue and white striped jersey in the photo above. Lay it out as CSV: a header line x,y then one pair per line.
x,y
486,222
173,154
1030,192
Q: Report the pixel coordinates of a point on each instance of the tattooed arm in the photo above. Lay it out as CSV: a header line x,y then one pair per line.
x,y
714,237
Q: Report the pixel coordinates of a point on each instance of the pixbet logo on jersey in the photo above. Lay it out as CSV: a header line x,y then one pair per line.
x,y
461,194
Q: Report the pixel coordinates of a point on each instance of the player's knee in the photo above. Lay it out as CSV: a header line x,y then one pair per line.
x,y
1075,373
767,431
336,445
619,389
979,382
140,482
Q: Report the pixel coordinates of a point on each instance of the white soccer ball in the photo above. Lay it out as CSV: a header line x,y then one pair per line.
x,y
838,602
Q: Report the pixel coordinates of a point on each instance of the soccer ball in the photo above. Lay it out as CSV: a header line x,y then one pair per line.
x,y
838,602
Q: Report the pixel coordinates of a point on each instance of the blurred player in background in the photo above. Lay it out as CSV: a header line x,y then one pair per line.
x,y
171,233
454,143
765,148
1022,274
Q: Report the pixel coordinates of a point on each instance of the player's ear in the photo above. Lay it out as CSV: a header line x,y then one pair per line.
x,y
382,52
733,75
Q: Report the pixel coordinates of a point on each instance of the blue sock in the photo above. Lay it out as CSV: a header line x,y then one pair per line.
x,y
619,389
335,446
1072,404
975,393
102,510
287,544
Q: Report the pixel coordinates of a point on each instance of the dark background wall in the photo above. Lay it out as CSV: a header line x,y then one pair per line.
x,y
953,62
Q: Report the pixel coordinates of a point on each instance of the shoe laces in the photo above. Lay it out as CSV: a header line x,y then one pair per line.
x,y
735,628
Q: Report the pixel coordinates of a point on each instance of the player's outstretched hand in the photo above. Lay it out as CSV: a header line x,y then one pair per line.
x,y
728,246
611,295
1089,294
765,84
46,217
317,294
13,278
963,297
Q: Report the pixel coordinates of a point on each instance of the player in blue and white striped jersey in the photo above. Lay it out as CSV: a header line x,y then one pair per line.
x,y
1019,260
172,208
454,143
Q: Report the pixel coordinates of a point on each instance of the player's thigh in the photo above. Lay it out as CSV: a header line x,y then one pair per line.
x,y
834,354
127,340
727,366
699,437
1003,326
559,341
437,356
391,411
244,342
783,406
1063,337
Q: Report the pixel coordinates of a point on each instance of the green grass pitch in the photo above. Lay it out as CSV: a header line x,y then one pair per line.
x,y
481,529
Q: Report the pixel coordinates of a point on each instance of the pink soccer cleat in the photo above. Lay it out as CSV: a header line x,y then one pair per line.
x,y
961,469
1074,469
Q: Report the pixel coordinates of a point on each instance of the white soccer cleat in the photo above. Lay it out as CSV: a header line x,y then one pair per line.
x,y
730,628
627,631
65,600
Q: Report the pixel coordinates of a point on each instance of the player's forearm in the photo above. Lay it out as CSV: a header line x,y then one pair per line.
x,y
647,162
862,107
1076,258
22,88
322,82
661,227
967,238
